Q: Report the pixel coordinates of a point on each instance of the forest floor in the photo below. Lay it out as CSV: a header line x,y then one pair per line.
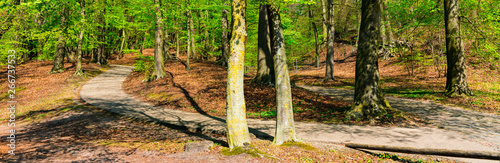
x,y
426,84
52,127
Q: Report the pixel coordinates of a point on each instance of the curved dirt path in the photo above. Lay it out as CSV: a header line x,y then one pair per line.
x,y
104,91
480,127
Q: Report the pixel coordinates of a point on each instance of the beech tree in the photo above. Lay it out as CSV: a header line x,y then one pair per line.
x,y
456,76
368,98
265,66
238,134
159,68
78,71
285,127
58,66
330,42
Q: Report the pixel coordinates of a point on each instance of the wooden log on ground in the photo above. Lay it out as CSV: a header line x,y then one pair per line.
x,y
430,151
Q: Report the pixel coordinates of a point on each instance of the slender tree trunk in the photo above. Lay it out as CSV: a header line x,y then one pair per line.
x,y
123,43
188,38
456,77
58,66
135,42
193,35
225,46
79,71
265,69
144,41
238,134
325,19
330,53
206,34
166,47
285,128
178,48
315,29
368,98
159,68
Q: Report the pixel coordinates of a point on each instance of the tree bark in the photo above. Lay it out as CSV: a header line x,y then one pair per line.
x,y
193,35
123,43
368,99
285,128
238,134
324,15
225,46
265,69
456,76
188,28
315,29
166,46
58,66
330,53
159,69
78,71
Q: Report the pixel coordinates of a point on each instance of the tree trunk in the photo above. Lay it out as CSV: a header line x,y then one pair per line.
x,y
144,41
123,43
315,29
456,77
265,69
78,71
325,19
58,66
159,69
193,35
330,53
225,46
368,98
238,134
188,38
166,47
285,128
178,43
205,29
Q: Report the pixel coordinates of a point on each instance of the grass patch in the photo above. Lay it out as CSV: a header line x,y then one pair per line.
x,y
248,149
165,146
302,145
271,113
6,95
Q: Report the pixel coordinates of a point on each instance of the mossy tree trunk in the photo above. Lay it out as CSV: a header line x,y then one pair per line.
x,y
330,53
369,101
58,66
79,71
265,69
238,134
285,128
456,76
159,69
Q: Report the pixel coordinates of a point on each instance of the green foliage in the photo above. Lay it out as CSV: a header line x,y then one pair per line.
x,y
144,64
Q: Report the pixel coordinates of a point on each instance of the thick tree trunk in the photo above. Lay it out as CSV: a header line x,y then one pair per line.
x,y
58,66
265,69
159,69
238,134
78,71
285,128
368,99
456,77
330,53
225,46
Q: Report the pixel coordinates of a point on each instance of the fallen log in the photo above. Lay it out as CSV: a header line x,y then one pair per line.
x,y
430,151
